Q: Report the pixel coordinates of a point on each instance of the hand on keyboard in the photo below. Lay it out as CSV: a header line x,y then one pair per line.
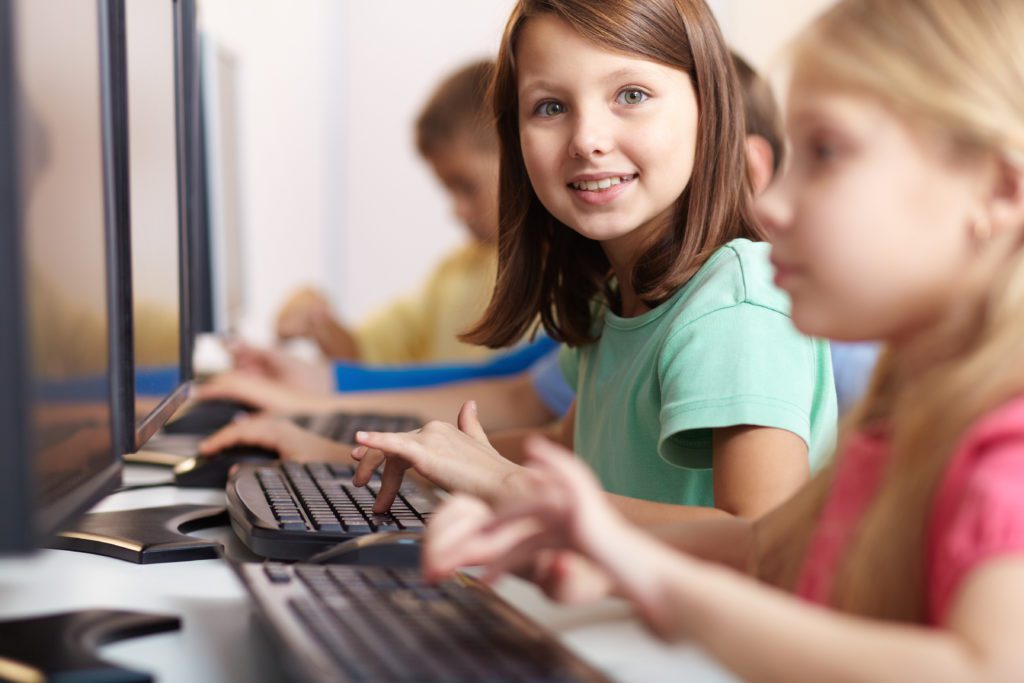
x,y
453,458
291,441
261,393
561,532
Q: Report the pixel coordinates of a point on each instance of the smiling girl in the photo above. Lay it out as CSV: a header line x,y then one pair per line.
x,y
626,230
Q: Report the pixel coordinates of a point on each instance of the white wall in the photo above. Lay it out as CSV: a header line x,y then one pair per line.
x,y
334,192
759,28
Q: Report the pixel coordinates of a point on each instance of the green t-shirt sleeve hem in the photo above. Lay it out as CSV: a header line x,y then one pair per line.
x,y
758,411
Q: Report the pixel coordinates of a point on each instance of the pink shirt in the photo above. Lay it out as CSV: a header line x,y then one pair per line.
x,y
977,514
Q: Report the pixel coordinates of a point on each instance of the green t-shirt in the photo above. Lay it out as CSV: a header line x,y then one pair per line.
x,y
721,352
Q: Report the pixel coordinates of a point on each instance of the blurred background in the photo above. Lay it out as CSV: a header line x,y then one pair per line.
x,y
320,170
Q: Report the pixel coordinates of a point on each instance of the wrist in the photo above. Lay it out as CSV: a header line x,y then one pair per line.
x,y
514,484
664,585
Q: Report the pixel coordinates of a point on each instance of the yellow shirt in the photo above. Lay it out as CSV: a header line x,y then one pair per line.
x,y
422,328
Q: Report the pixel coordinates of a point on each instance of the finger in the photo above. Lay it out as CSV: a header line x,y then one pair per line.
x,y
405,445
469,422
575,579
463,542
225,387
252,431
521,550
390,482
451,522
368,464
210,391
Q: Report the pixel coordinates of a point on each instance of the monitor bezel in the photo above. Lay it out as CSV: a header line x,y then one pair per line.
x,y
138,429
16,499
25,523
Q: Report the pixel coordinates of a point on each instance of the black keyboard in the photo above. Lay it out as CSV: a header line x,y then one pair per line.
x,y
290,511
342,427
373,624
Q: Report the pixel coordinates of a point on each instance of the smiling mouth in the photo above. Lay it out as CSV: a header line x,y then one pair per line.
x,y
602,184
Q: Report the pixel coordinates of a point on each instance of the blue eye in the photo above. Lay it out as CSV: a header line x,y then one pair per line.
x,y
631,96
549,108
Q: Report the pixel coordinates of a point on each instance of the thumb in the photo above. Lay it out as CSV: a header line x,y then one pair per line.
x,y
469,423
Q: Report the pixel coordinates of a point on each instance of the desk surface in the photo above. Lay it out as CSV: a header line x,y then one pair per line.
x,y
219,640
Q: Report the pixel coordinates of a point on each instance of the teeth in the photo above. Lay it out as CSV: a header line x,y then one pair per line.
x,y
603,184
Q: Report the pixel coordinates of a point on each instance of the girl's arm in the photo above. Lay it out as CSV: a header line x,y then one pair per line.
x,y
766,547
763,634
505,402
759,632
755,470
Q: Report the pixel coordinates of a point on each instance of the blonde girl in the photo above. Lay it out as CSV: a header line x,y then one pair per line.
x,y
901,218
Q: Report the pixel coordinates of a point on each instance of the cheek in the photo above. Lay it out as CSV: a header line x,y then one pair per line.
x,y
667,149
539,156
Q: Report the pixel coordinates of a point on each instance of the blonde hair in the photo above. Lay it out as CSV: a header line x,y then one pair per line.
x,y
958,67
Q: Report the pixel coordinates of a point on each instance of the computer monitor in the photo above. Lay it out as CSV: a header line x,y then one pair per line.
x,y
59,452
153,266
218,242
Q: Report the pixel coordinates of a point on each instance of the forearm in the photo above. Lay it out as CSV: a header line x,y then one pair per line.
x,y
720,539
502,403
648,514
765,635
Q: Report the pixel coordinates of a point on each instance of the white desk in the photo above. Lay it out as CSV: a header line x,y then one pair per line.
x,y
219,642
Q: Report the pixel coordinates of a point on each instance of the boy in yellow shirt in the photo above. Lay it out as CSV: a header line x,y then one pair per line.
x,y
455,135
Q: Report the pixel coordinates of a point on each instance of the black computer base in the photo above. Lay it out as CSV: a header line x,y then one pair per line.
x,y
145,535
62,647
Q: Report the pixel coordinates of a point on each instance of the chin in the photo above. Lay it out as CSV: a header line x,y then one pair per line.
x,y
812,323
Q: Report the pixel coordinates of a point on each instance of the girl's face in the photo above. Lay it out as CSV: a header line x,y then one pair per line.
x,y
871,224
608,139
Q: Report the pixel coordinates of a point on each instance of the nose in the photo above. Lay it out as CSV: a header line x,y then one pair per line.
x,y
592,134
774,210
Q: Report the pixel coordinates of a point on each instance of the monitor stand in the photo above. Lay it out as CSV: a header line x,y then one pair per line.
x,y
62,647
146,535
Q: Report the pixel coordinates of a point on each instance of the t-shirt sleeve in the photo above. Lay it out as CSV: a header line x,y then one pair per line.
x,y
742,365
569,360
986,521
550,385
397,333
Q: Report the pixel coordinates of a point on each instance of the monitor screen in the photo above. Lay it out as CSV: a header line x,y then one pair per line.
x,y
219,78
155,214
55,246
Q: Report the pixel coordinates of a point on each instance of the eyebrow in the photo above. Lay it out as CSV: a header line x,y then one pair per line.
x,y
624,73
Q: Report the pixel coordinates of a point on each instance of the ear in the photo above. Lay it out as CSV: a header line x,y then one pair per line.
x,y
760,160
1005,201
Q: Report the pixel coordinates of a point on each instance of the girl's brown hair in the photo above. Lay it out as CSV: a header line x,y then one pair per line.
x,y
956,67
546,269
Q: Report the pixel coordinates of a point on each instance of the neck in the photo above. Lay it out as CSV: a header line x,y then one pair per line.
x,y
622,260
623,252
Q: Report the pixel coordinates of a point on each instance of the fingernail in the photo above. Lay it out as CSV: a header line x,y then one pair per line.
x,y
360,435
